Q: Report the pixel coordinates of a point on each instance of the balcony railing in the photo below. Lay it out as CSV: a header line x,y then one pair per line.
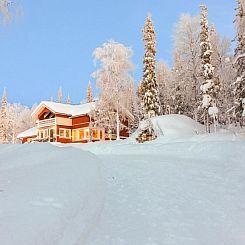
x,y
46,123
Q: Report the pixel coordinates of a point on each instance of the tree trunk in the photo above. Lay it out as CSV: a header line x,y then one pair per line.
x,y
118,123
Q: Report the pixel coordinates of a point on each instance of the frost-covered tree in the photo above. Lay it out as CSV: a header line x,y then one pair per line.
x,y
114,80
239,63
151,102
59,96
165,87
68,99
89,93
223,74
186,71
5,11
19,120
208,88
4,119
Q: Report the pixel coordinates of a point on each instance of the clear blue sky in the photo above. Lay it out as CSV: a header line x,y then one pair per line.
x,y
51,45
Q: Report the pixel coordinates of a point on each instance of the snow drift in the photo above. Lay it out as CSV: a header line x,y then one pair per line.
x,y
172,126
48,195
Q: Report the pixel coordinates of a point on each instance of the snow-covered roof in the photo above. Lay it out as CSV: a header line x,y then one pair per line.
x,y
28,133
67,109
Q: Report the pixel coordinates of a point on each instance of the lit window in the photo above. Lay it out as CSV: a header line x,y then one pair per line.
x,y
87,134
101,134
95,134
81,134
74,135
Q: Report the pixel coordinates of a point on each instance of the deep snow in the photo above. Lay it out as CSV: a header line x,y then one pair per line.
x,y
48,195
186,190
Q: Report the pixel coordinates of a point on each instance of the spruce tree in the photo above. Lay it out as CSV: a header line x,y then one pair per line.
x,y
208,88
149,88
239,84
68,99
3,120
59,99
89,93
151,102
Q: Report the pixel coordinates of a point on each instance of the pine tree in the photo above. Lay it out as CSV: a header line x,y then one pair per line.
x,y
3,120
89,93
208,88
239,84
68,99
59,100
151,102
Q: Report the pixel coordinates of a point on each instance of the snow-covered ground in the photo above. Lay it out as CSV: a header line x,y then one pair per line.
x,y
182,189
48,195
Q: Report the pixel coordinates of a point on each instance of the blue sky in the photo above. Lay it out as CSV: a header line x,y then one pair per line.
x,y
51,44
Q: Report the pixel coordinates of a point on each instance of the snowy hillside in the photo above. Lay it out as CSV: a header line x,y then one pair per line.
x,y
186,191
48,195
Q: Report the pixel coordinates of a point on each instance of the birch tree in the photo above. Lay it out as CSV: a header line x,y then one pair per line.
x,y
19,120
223,74
165,87
4,119
187,62
114,80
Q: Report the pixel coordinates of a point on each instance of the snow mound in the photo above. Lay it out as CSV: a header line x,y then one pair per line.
x,y
173,126
48,195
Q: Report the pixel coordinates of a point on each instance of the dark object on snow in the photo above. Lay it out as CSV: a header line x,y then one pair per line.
x,y
146,135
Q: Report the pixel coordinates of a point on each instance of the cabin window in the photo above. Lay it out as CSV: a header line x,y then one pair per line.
x,y
65,133
81,134
74,135
41,134
96,134
87,136
46,133
101,134
61,133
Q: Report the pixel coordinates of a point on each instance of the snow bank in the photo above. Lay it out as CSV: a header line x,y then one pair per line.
x,y
172,126
48,195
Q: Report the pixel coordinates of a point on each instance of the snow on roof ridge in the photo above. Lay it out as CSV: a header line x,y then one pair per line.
x,y
72,110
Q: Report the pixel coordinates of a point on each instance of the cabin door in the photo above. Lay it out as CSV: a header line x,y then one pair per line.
x,y
51,135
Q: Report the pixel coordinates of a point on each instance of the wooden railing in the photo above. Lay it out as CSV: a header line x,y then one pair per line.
x,y
46,123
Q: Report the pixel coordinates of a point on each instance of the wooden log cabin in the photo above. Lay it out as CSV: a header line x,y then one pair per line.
x,y
65,123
